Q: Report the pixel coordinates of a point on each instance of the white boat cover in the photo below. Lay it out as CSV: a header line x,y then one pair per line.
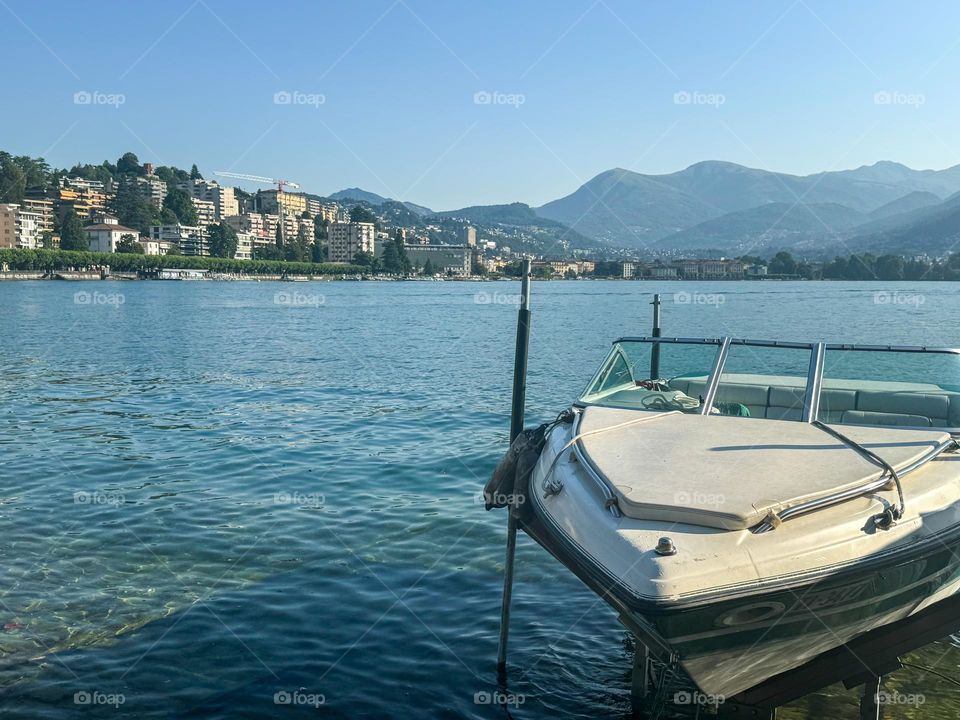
x,y
731,472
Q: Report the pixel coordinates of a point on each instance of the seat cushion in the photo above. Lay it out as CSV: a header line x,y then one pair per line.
x,y
728,472
929,405
864,417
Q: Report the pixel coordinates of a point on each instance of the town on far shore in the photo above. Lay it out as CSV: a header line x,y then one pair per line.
x,y
132,219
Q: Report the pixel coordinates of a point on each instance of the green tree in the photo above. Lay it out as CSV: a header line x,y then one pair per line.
x,y
133,209
72,236
223,240
358,213
783,264
195,173
428,269
128,244
13,180
180,204
129,164
401,249
278,237
390,259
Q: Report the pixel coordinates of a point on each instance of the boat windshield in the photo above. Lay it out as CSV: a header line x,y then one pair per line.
x,y
873,386
836,384
654,375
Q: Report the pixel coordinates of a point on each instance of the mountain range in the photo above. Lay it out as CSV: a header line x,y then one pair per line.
x,y
728,208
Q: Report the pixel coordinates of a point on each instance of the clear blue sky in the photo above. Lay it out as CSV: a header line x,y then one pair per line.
x,y
597,80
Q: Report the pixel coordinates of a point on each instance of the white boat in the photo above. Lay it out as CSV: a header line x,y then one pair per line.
x,y
746,506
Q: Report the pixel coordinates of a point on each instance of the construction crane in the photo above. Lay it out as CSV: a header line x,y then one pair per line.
x,y
281,184
260,179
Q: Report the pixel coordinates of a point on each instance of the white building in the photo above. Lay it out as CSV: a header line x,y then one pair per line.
x,y
155,247
346,239
104,235
206,212
245,245
20,228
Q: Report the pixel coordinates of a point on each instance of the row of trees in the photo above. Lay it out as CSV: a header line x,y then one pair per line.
x,y
866,266
58,260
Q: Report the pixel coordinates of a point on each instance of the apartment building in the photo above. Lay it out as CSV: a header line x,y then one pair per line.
x,y
467,235
153,189
85,197
330,212
20,228
269,202
245,244
43,209
346,239
206,211
224,199
192,240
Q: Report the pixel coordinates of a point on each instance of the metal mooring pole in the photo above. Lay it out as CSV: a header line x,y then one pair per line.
x,y
655,350
516,427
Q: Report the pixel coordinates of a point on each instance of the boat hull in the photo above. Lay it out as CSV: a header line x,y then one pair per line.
x,y
727,646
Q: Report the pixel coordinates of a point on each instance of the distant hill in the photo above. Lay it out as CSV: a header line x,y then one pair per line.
x,y
373,199
774,225
518,215
635,210
915,200
933,230
628,209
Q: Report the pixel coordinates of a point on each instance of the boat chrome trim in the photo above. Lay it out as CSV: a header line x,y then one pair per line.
x,y
872,486
713,382
811,398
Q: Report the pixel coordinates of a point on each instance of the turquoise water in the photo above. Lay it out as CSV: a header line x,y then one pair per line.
x,y
218,493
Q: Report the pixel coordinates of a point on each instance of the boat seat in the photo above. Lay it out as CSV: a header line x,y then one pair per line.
x,y
729,473
861,403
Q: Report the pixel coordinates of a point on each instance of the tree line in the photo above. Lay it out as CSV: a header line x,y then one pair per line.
x,y
59,260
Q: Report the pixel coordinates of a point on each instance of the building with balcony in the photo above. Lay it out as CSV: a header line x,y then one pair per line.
x,y
153,189
224,199
20,228
192,240
269,201
206,211
346,239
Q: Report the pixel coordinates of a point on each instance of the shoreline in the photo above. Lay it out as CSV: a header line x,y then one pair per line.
x,y
78,276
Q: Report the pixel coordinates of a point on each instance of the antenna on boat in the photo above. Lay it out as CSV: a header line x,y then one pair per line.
x,y
655,350
516,427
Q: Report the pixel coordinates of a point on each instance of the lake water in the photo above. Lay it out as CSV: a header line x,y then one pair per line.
x,y
215,493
